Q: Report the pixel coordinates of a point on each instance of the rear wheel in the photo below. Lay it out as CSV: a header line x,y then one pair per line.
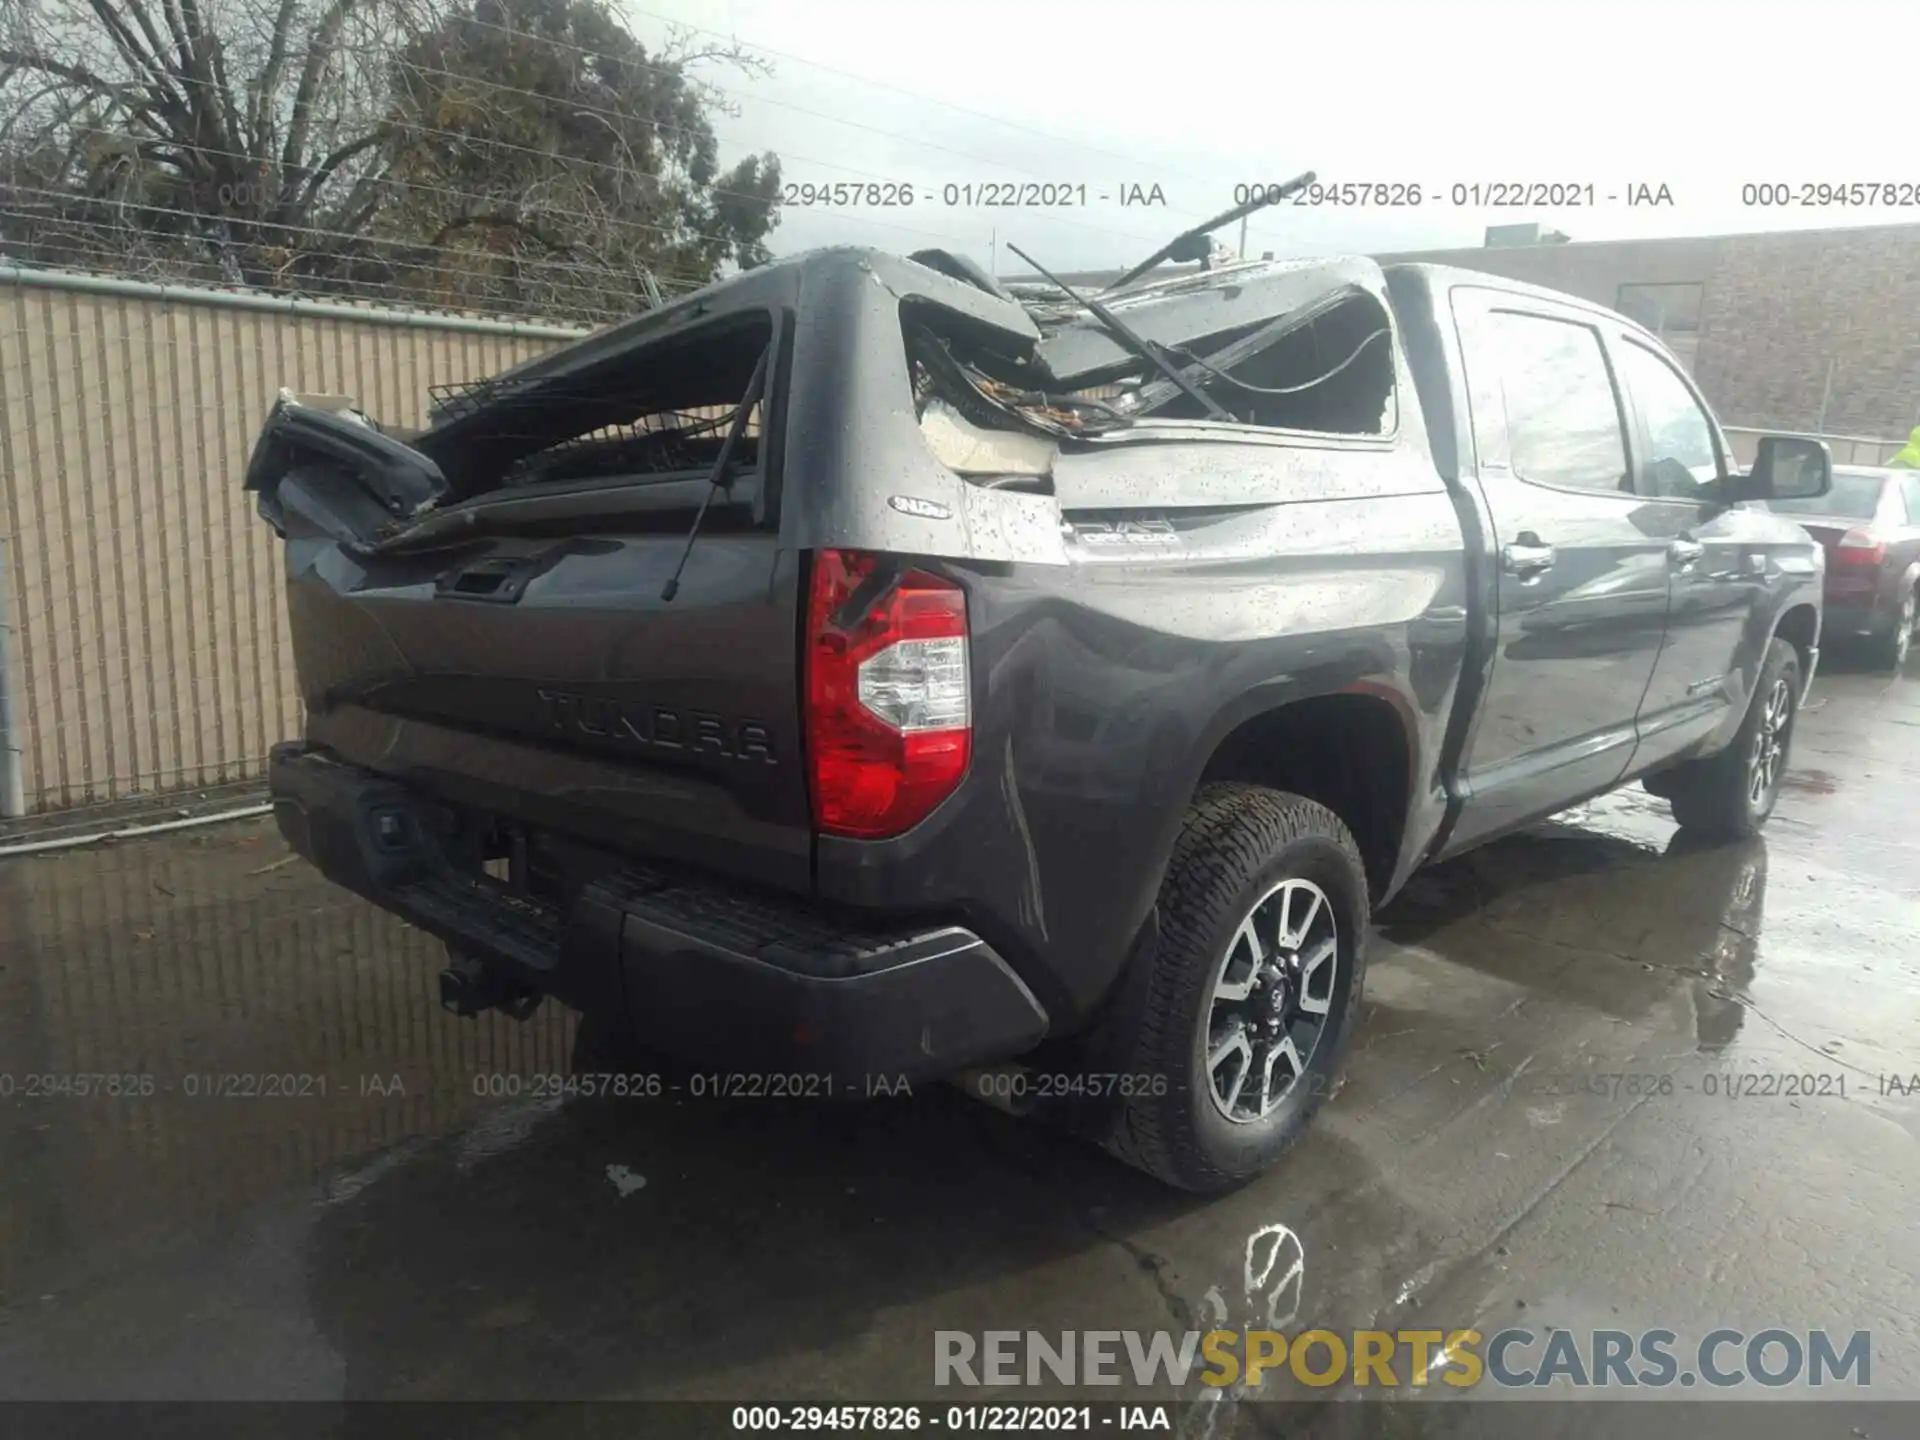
x,y
1891,648
1731,794
1254,986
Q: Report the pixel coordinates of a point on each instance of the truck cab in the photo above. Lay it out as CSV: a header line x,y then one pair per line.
x,y
1629,582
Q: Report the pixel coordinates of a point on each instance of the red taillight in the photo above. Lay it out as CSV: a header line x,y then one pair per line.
x,y
889,716
1859,547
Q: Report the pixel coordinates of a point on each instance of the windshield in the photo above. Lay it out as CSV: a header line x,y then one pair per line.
x,y
1853,497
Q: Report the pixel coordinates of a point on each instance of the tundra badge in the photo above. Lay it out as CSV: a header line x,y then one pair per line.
x,y
925,509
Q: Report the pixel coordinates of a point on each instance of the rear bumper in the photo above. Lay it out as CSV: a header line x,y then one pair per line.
x,y
740,980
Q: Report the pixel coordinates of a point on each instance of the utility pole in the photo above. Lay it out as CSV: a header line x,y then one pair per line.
x,y
1243,239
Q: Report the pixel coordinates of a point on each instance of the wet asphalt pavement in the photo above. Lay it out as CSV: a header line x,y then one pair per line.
x,y
406,1235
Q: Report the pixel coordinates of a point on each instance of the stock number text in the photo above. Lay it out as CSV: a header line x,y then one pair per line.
x,y
1814,195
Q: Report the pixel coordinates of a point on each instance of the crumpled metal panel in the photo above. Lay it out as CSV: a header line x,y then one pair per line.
x,y
1190,307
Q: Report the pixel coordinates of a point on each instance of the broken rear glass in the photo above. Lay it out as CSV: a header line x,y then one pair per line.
x,y
661,410
1292,347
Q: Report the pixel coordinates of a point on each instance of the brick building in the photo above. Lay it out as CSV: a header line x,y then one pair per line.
x,y
1809,330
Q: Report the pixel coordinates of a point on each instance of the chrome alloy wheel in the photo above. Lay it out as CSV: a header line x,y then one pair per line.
x,y
1769,751
1271,999
1903,629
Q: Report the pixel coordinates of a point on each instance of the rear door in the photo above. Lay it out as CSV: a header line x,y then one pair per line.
x,y
1581,578
1719,558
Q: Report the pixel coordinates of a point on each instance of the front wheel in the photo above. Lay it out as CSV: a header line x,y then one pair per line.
x,y
1253,988
1730,795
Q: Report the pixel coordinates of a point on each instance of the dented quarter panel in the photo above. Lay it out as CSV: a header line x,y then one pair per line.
x,y
1184,577
1107,682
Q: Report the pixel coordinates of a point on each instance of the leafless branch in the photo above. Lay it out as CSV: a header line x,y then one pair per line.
x,y
493,154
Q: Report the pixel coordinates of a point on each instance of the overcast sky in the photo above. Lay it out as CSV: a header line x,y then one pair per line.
x,y
1195,98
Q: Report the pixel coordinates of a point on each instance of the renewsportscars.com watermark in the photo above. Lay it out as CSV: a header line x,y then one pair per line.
x,y
1513,1358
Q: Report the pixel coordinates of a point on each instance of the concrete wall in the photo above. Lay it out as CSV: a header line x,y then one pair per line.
x,y
150,646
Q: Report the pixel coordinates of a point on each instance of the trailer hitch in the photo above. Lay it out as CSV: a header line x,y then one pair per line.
x,y
469,986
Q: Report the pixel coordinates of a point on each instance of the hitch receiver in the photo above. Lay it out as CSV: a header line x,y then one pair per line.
x,y
470,987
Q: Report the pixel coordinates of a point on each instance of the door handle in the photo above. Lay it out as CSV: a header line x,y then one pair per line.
x,y
1525,556
1684,552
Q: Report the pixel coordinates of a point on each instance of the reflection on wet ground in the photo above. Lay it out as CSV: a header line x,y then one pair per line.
x,y
1535,1122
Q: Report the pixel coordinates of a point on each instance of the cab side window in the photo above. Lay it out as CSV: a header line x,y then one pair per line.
x,y
1680,462
1563,422
1910,490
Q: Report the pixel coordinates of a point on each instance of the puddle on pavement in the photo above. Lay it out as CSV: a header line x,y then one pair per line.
x,y
231,1028
1810,782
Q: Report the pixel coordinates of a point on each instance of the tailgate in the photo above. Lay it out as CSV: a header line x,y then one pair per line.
x,y
544,607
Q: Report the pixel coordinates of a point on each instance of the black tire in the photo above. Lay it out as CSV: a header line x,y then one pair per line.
x,y
1236,845
1720,797
1890,649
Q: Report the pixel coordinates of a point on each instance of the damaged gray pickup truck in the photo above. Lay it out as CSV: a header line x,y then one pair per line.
x,y
857,669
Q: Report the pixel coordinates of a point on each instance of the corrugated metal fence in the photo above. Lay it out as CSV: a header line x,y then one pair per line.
x,y
144,595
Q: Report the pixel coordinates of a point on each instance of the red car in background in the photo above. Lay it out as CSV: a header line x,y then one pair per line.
x,y
1869,525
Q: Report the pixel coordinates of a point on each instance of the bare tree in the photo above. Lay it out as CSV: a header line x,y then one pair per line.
x,y
493,152
539,143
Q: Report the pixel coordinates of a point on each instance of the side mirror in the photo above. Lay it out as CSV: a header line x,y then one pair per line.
x,y
1787,467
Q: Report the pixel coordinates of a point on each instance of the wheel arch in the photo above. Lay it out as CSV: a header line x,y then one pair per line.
x,y
1278,734
1799,626
1354,750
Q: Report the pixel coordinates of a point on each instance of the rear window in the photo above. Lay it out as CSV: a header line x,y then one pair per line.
x,y
1853,497
996,419
655,410
1327,369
